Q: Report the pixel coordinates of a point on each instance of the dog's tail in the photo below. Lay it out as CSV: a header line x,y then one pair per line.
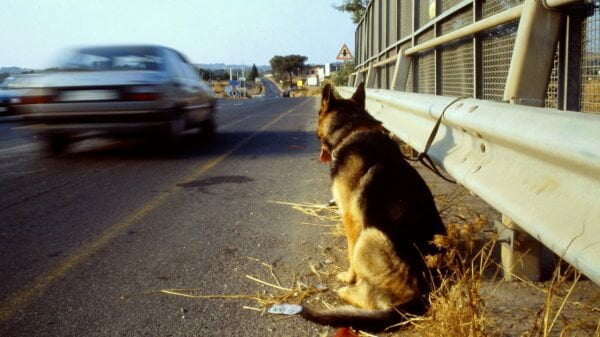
x,y
363,319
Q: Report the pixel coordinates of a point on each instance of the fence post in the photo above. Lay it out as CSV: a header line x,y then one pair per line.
x,y
520,253
370,76
361,78
526,84
533,55
401,70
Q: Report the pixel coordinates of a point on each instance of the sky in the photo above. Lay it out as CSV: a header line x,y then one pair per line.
x,y
34,32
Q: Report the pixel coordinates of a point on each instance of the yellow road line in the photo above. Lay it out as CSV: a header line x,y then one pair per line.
x,y
19,300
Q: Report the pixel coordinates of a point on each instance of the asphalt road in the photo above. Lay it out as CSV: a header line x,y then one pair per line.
x,y
89,237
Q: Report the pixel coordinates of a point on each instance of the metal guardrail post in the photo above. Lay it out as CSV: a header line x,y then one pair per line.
x,y
401,70
533,55
526,84
477,53
531,168
515,158
521,254
572,60
371,76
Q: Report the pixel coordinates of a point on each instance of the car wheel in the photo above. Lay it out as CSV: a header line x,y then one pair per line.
x,y
177,127
175,132
208,127
57,143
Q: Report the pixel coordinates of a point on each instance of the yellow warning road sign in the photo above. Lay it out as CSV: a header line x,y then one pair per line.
x,y
344,54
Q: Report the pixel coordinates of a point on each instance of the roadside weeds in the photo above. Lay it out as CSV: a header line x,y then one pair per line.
x,y
466,302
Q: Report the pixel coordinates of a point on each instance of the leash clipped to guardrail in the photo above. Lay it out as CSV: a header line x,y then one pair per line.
x,y
423,157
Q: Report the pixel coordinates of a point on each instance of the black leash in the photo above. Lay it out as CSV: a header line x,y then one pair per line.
x,y
423,157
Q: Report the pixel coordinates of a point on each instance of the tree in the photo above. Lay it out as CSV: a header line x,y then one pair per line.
x,y
205,74
341,76
288,64
356,7
253,73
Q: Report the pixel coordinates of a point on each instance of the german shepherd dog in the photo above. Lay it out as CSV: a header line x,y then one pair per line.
x,y
389,218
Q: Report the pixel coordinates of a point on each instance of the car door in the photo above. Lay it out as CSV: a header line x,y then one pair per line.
x,y
200,103
178,91
197,99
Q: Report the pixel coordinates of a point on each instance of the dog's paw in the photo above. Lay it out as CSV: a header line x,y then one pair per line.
x,y
343,291
347,276
350,295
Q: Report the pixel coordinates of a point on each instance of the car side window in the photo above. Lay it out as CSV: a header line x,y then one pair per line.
x,y
173,64
193,73
187,68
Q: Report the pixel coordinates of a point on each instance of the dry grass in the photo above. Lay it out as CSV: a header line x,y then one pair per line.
x,y
307,91
458,306
591,95
297,293
303,287
560,314
325,216
219,87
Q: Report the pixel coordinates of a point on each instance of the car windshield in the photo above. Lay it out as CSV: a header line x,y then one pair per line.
x,y
114,58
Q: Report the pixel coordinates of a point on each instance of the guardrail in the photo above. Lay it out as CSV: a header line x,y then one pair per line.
x,y
536,160
540,167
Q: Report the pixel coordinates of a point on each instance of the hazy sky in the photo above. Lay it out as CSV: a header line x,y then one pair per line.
x,y
32,32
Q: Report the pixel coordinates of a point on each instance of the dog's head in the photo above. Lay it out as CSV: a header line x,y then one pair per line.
x,y
338,117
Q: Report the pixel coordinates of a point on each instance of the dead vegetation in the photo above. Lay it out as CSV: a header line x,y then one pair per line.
x,y
277,293
307,91
457,307
460,306
464,305
591,95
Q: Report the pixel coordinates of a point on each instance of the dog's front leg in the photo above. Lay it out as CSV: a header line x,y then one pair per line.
x,y
352,232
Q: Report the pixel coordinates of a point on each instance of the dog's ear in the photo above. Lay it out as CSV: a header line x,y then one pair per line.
x,y
359,95
328,98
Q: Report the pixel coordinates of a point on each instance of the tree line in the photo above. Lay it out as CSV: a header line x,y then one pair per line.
x,y
223,74
288,64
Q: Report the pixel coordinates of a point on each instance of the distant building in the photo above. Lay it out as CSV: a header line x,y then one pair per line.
x,y
332,68
315,74
312,69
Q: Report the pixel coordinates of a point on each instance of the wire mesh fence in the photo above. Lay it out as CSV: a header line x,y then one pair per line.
x,y
590,62
478,64
497,48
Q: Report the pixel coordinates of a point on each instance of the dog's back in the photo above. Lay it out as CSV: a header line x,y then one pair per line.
x,y
389,218
392,196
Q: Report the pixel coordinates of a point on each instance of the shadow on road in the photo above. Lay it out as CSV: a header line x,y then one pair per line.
x,y
264,144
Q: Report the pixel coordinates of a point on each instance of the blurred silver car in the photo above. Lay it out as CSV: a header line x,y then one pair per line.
x,y
118,91
10,92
